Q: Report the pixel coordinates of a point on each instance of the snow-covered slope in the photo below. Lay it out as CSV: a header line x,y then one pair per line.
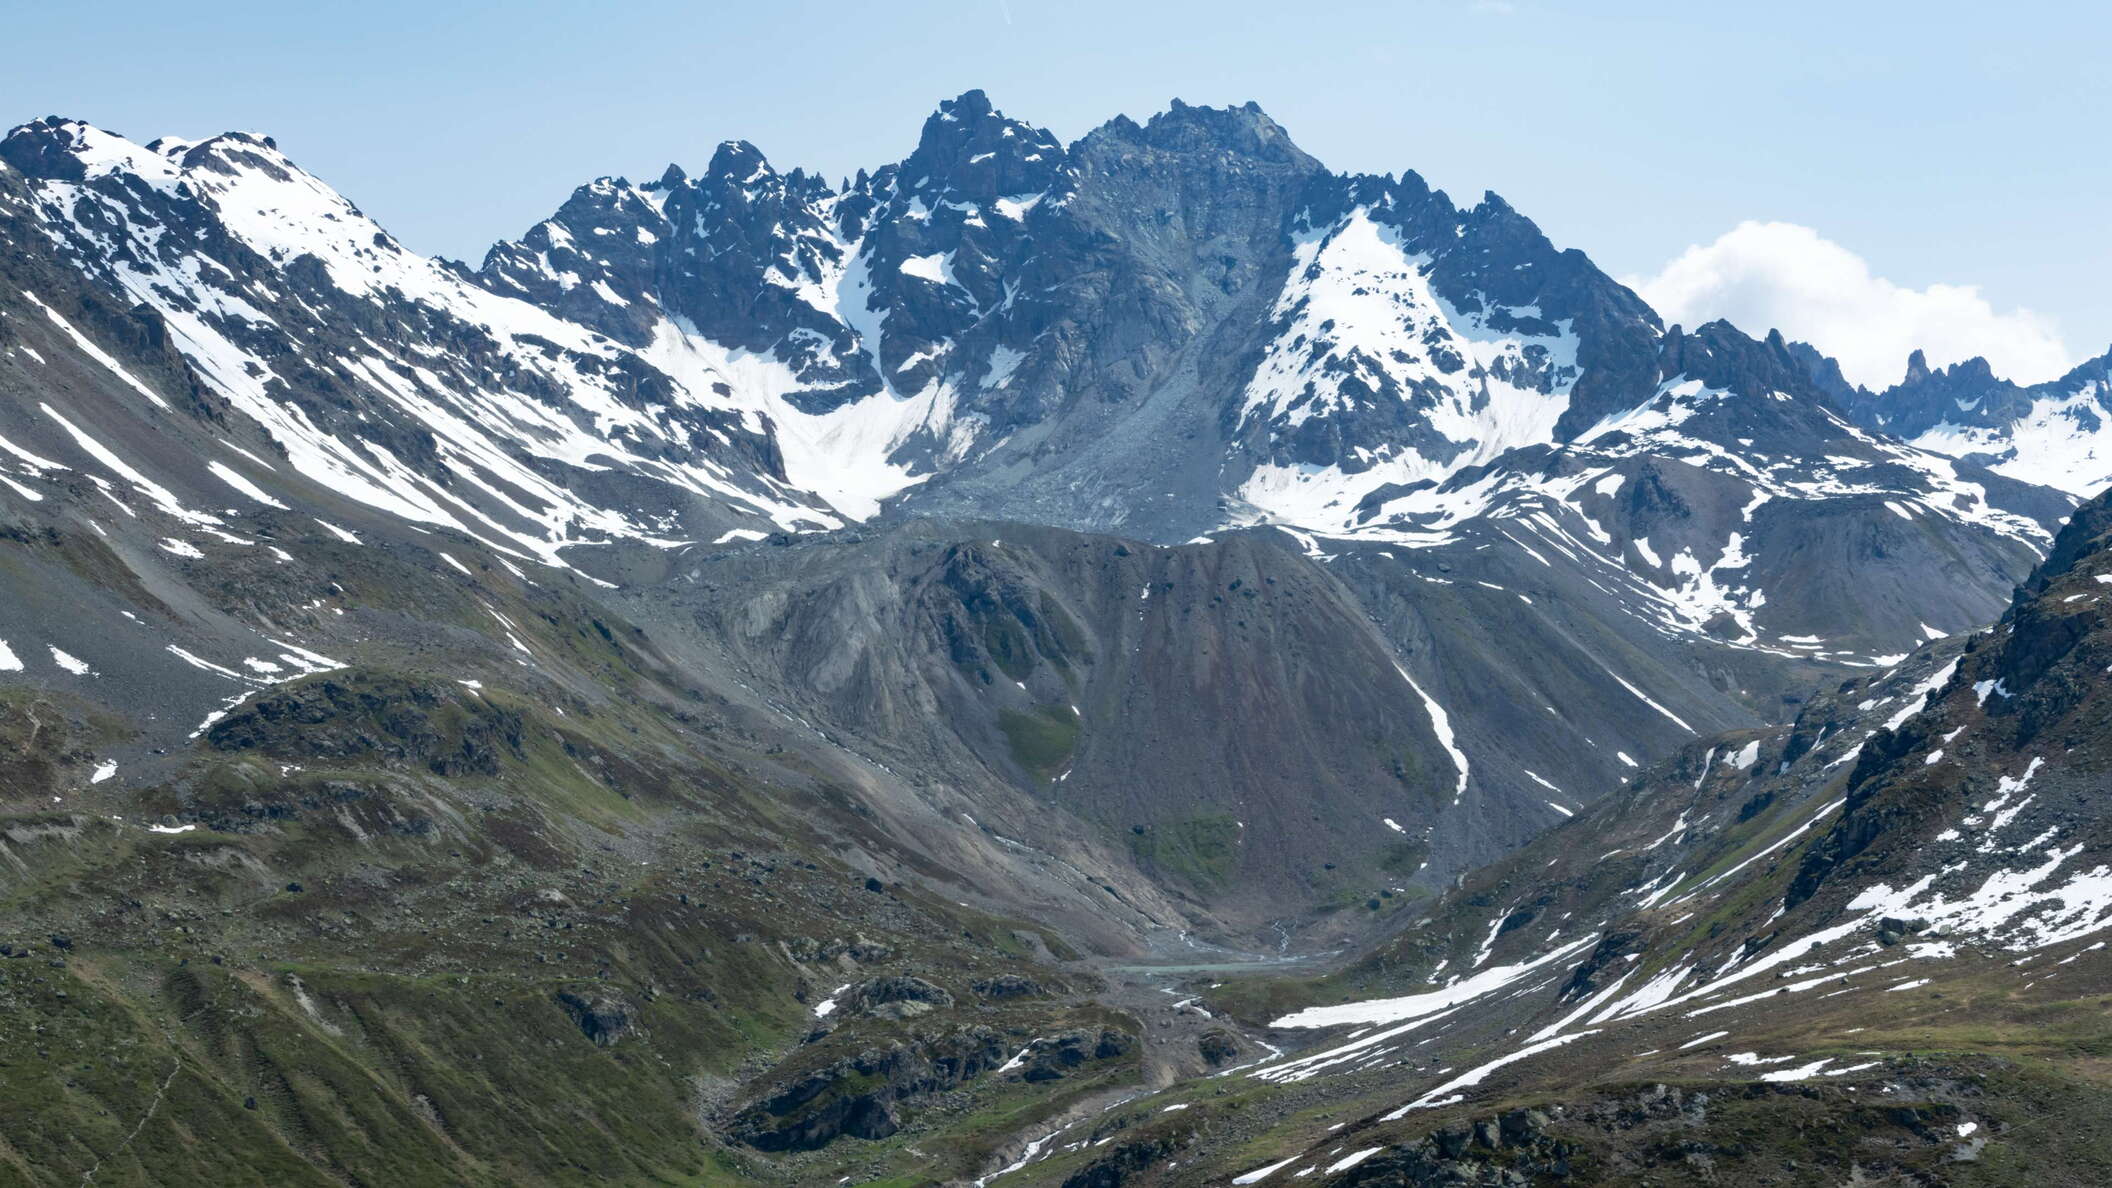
x,y
1736,502
870,323
1412,340
386,377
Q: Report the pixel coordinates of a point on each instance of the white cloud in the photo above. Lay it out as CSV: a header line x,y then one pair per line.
x,y
1763,276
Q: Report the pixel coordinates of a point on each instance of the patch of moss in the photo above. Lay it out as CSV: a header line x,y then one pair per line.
x,y
1041,741
1405,858
1007,643
1068,638
1202,851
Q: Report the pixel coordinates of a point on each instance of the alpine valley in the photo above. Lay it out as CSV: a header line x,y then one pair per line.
x,y
1138,662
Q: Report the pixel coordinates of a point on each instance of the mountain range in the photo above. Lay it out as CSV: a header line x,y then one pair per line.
x,y
445,704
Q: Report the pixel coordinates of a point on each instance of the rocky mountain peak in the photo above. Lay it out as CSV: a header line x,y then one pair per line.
x,y
1493,206
1928,396
1973,371
1917,367
1825,371
1245,131
62,149
1496,226
1722,356
968,108
256,140
975,153
738,161
2098,369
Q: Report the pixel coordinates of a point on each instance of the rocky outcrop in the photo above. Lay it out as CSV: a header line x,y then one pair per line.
x,y
1611,953
1514,1148
1217,1046
354,715
1009,987
1128,1161
602,1018
867,1094
1666,1131
897,997
1054,1057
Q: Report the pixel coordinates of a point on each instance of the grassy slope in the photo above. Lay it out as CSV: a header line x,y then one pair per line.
x,y
349,964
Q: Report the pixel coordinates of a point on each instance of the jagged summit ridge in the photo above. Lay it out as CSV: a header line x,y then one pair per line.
x,y
1167,329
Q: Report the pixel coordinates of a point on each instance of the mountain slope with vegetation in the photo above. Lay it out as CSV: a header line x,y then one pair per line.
x,y
1126,662
1867,944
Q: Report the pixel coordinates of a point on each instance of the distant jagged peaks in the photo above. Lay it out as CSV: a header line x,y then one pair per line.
x,y
1160,329
65,149
2058,433
1975,370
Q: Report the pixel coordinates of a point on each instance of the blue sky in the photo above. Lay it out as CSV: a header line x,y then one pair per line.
x,y
1933,146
